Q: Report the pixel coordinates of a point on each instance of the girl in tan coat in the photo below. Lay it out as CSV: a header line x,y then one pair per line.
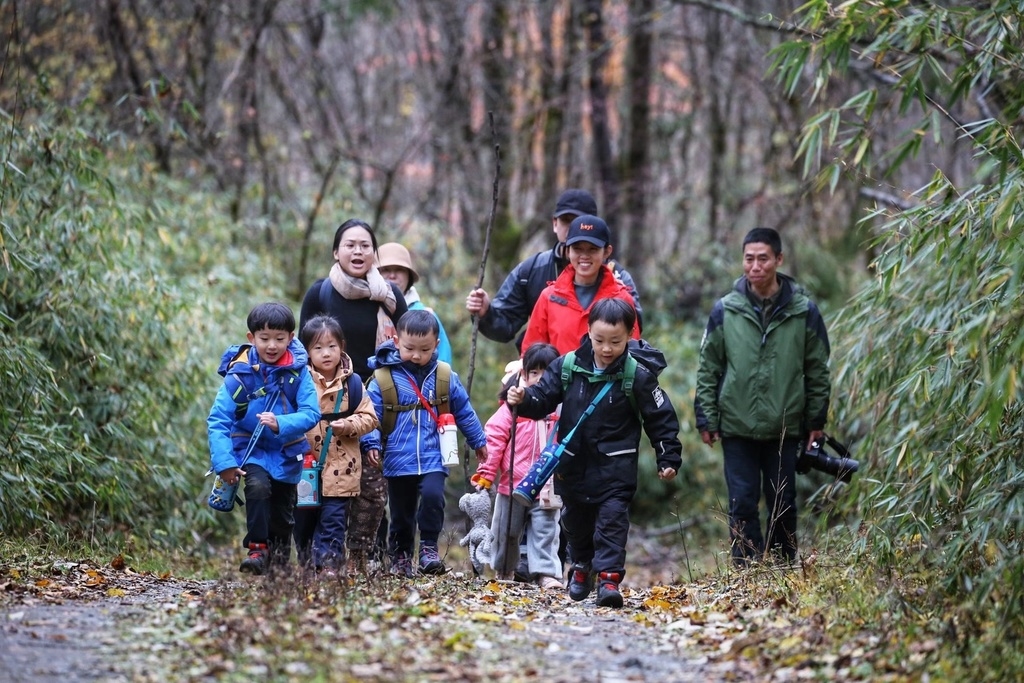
x,y
320,531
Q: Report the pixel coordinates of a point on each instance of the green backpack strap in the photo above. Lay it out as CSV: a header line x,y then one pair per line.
x,y
389,395
628,377
442,388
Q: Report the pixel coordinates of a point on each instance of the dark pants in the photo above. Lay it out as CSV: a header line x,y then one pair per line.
x,y
415,501
269,513
329,539
320,533
597,533
752,468
306,519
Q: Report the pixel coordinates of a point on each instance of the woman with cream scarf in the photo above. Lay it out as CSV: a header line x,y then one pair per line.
x,y
367,307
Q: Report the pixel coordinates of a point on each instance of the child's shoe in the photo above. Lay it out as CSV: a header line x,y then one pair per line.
x,y
356,563
581,582
430,561
549,582
256,562
401,565
522,572
608,594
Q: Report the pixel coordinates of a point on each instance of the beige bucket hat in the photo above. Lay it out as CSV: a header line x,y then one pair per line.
x,y
394,254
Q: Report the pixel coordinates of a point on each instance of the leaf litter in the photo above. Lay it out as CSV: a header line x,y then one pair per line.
x,y
127,625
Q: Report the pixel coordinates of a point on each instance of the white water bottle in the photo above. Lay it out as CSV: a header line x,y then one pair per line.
x,y
449,439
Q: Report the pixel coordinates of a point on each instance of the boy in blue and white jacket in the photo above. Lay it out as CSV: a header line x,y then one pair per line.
x,y
412,451
266,382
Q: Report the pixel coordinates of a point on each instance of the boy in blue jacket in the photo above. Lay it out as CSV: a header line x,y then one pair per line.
x,y
412,451
267,388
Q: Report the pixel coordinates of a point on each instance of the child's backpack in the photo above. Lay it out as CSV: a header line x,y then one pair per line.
x,y
243,387
389,396
636,351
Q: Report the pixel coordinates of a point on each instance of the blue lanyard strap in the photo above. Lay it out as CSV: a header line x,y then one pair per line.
x,y
271,400
589,410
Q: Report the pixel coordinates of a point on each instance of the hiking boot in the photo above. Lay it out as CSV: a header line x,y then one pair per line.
x,y
430,561
256,562
581,582
608,594
402,566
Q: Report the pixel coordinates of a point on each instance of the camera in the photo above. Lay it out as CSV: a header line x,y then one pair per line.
x,y
816,457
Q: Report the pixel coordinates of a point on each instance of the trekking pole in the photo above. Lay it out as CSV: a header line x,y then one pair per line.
x,y
511,488
480,278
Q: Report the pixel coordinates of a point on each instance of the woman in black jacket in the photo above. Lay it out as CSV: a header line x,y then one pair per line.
x,y
367,307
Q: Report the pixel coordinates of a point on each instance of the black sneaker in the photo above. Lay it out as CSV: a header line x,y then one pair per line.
x,y
430,561
608,594
256,562
581,582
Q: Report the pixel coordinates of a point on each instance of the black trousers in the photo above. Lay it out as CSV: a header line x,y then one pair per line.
x,y
269,513
754,467
597,533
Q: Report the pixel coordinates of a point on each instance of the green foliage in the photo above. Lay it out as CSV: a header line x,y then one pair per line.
x,y
110,316
926,366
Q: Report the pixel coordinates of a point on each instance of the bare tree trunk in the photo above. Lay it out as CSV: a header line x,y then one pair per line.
x,y
597,49
630,232
497,99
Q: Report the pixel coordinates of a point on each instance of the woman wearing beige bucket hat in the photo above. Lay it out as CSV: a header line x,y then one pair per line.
x,y
395,263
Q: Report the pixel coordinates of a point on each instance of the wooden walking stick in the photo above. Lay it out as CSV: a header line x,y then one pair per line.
x,y
511,487
480,280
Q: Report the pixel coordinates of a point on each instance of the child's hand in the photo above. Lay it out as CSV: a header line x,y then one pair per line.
x,y
481,453
268,420
373,457
515,396
231,475
343,427
480,482
667,474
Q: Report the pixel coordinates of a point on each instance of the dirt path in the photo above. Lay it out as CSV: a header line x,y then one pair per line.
x,y
82,622
72,622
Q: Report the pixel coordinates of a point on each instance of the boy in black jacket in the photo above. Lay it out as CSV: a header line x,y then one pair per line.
x,y
597,474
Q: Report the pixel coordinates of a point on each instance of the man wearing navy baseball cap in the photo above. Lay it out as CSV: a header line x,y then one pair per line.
x,y
561,315
502,318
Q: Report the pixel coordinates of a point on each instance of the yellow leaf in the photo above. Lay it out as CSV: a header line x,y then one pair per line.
x,y
43,583
485,616
15,574
653,603
116,592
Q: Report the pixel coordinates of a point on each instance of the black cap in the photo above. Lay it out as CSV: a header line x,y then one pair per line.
x,y
577,202
589,229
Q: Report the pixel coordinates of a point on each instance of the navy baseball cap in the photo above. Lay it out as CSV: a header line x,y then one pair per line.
x,y
591,229
576,202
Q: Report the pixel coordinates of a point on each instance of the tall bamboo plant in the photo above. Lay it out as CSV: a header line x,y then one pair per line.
x,y
928,355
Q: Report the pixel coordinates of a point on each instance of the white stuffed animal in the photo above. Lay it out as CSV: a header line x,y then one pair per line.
x,y
479,539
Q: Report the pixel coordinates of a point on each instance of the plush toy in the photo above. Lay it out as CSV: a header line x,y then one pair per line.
x,y
478,507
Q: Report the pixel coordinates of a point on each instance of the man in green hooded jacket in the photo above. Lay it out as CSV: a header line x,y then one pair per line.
x,y
763,388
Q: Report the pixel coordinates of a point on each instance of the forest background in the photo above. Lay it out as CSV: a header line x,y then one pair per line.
x,y
166,165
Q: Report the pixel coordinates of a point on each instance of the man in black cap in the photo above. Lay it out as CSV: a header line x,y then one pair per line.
x,y
502,318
